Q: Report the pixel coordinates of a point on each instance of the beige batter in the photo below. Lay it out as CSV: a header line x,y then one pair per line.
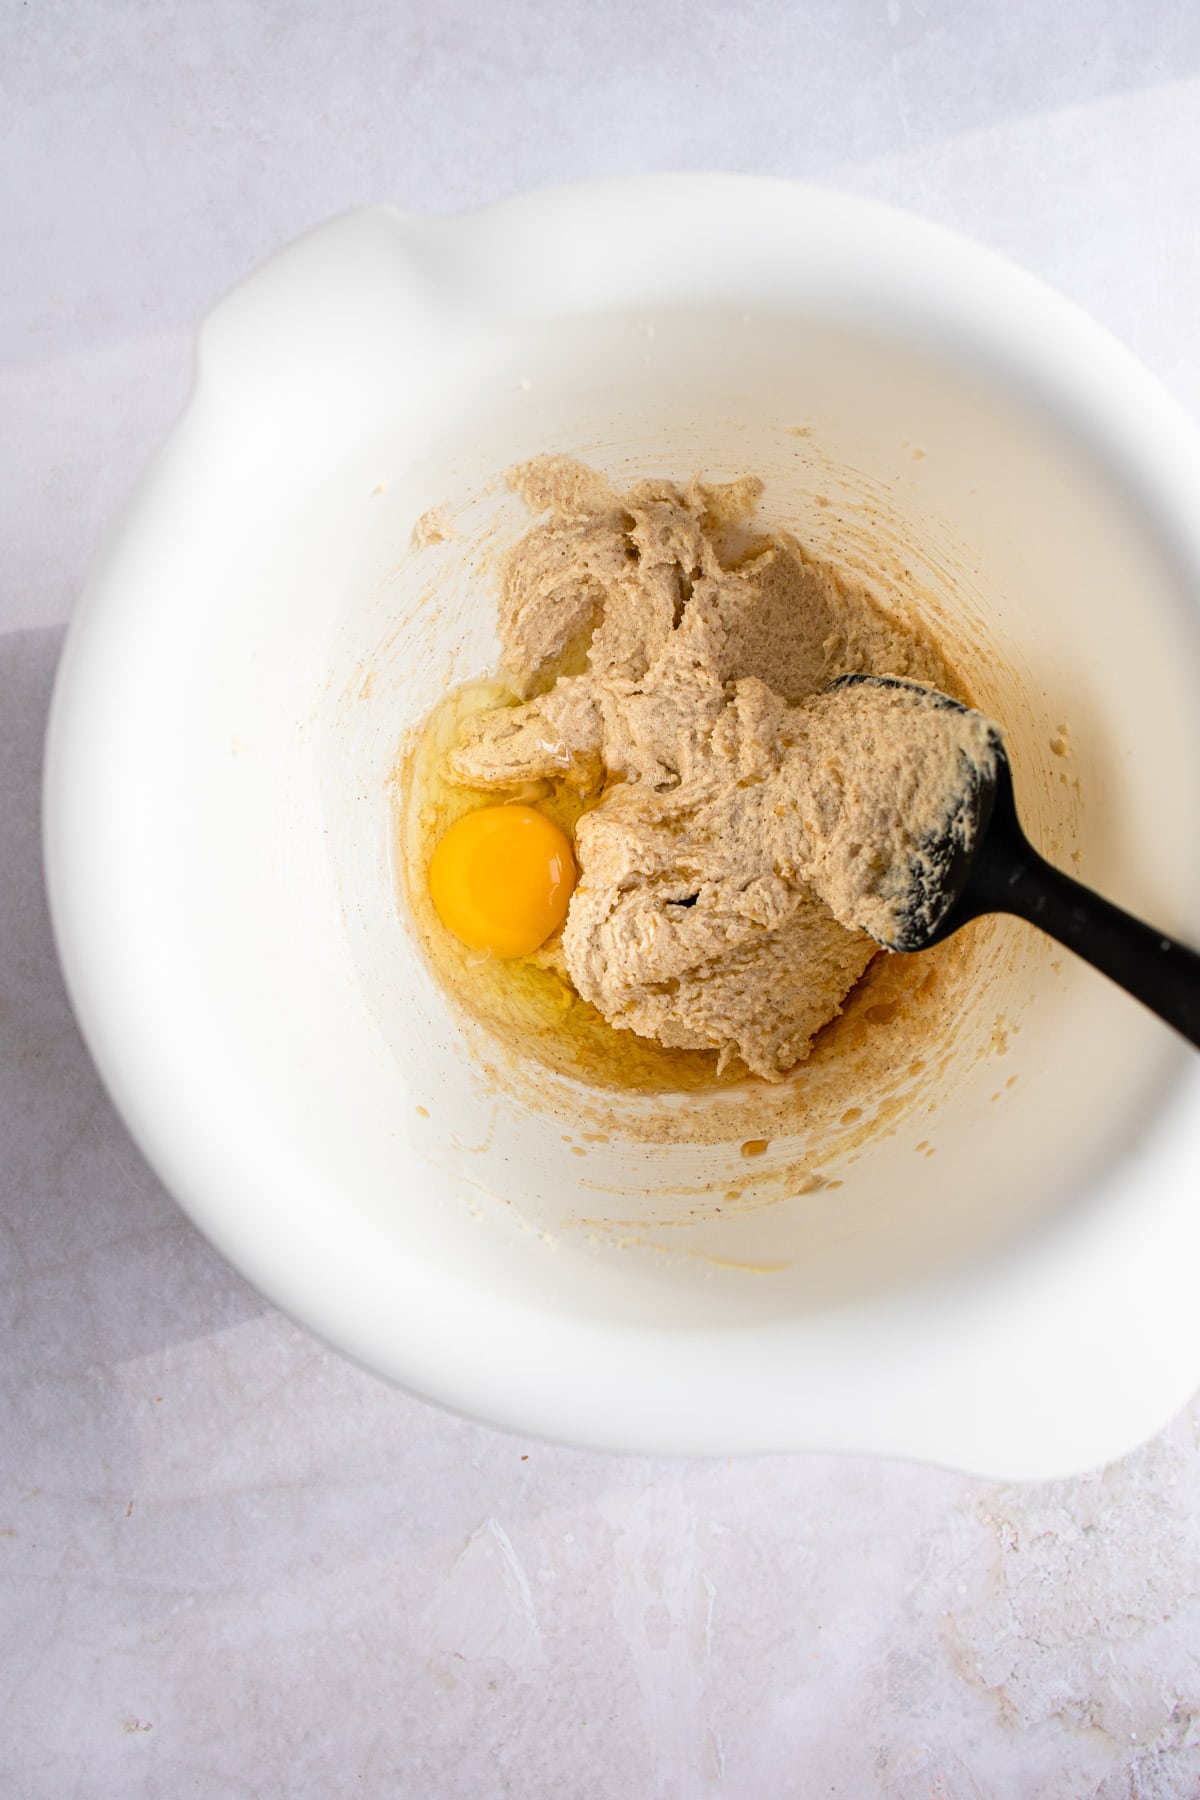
x,y
675,665
883,776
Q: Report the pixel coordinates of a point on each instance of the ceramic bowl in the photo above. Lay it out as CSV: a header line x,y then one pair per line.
x,y
261,633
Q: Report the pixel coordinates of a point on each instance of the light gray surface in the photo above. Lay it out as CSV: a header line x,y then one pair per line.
x,y
230,1564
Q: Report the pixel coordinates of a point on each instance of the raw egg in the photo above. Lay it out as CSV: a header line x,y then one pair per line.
x,y
501,878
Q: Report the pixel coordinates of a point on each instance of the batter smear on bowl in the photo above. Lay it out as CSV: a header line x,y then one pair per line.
x,y
667,668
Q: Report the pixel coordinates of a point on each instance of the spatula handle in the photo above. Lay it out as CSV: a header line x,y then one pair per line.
x,y
1162,974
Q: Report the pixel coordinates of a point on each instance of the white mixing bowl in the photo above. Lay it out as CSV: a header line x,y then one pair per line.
x,y
260,633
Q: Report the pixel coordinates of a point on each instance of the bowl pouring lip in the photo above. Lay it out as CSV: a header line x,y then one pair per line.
x,y
1032,1324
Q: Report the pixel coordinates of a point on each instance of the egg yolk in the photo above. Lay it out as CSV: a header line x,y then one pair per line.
x,y
501,878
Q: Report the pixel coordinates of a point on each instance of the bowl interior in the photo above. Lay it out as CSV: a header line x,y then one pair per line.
x,y
337,635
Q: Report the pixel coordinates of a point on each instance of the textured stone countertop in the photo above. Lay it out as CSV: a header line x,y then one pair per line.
x,y
231,1565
